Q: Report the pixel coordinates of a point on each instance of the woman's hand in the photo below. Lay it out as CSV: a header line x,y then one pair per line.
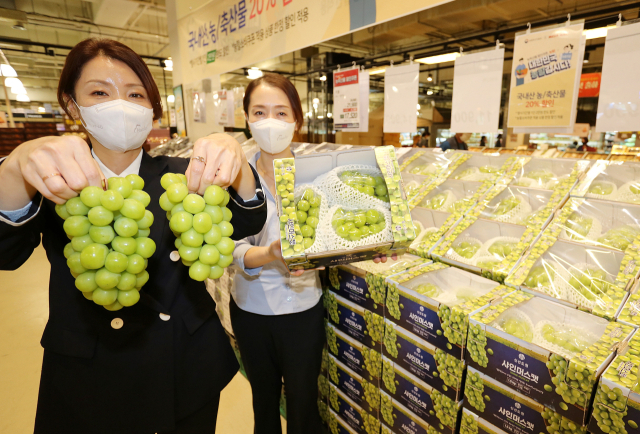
x,y
58,167
276,252
218,159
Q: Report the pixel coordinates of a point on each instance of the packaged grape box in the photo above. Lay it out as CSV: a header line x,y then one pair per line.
x,y
337,425
363,283
471,423
341,207
430,226
361,359
593,278
630,313
548,352
357,322
365,394
479,167
357,418
615,181
429,364
616,407
441,417
513,412
549,173
425,162
433,302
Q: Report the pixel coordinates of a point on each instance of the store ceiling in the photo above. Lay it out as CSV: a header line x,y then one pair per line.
x,y
34,35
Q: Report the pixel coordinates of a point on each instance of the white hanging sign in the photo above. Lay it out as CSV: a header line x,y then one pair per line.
x,y
619,101
477,86
346,99
401,99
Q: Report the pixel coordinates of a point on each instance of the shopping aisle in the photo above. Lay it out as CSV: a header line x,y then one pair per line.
x,y
24,304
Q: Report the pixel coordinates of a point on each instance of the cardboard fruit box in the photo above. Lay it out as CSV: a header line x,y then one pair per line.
x,y
357,322
361,359
337,425
615,181
425,362
471,423
318,196
433,302
545,351
358,419
616,407
442,415
364,393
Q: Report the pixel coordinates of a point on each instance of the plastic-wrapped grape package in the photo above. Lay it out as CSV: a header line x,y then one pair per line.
x,y
310,207
109,241
549,173
201,225
354,225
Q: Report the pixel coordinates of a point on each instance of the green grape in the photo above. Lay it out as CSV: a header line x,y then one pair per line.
x,y
505,206
489,169
620,237
428,289
542,176
375,325
371,423
371,394
424,169
600,188
389,376
334,278
476,345
450,369
323,409
333,370
372,362
332,307
446,409
386,408
502,249
473,391
436,201
516,327
465,173
333,399
367,184
308,211
323,385
592,283
578,226
560,424
460,205
392,302
331,340
469,425
540,277
377,288
390,340
333,424
358,224
467,249
325,360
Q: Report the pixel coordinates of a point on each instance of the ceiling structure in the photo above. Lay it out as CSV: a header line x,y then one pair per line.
x,y
36,35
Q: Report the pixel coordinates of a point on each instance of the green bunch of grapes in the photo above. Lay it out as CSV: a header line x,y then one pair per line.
x,y
428,290
505,206
323,385
620,237
372,362
600,188
557,424
432,430
393,300
389,376
371,424
476,345
332,340
540,277
572,390
460,205
610,409
502,249
390,340
333,370
373,186
325,359
308,215
377,288
358,224
450,369
446,409
384,430
403,227
375,325
110,244
469,424
323,409
454,322
517,327
201,225
473,391
567,337
332,307
435,201
371,394
333,398
467,249
333,424
290,235
334,278
578,226
631,310
386,408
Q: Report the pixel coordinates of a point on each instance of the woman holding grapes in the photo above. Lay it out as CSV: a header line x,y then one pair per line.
x,y
159,365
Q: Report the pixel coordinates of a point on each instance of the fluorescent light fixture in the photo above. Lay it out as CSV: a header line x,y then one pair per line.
x,y
168,64
171,98
377,71
441,58
18,90
316,100
41,110
600,32
418,106
320,117
254,73
430,77
323,78
7,70
329,115
429,92
22,98
13,82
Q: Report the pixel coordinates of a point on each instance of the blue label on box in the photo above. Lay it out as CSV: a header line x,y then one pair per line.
x,y
350,415
403,424
355,289
351,323
527,375
350,386
350,356
425,323
414,397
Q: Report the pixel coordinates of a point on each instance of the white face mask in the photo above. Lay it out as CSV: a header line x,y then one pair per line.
x,y
118,125
272,135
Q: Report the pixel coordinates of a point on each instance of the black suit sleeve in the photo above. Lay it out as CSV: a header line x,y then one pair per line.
x,y
248,216
19,239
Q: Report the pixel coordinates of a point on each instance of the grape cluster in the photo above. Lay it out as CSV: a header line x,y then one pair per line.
x,y
386,408
389,376
577,226
600,188
610,409
325,359
384,430
393,300
454,323
377,288
334,278
505,206
308,215
323,409
450,369
331,340
515,326
290,235
333,398
201,225
476,345
473,391
333,370
469,425
370,185
557,424
323,385
435,201
631,310
110,244
540,277
502,249
446,409
428,290
332,307
467,249
358,224
371,394
333,424
375,325
372,362
371,423
403,227
390,340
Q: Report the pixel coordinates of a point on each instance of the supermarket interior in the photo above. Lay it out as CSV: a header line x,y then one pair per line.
x,y
462,191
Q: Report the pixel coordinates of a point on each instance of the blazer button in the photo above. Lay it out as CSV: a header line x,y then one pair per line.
x,y
165,317
117,323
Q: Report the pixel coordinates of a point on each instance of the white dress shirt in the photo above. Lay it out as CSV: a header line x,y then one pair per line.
x,y
133,169
270,289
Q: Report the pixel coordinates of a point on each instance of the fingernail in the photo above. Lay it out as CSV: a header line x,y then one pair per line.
x,y
104,184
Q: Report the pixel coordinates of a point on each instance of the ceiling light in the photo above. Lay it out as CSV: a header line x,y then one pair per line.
x,y
430,77
600,32
441,58
377,71
320,117
168,64
417,113
172,98
22,98
323,78
329,115
7,71
418,106
429,92
316,100
13,82
18,90
41,110
254,73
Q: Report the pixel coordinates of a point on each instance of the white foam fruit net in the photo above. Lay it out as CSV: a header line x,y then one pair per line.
x,y
581,295
335,242
599,190
439,201
576,224
340,193
515,214
459,244
318,244
421,235
626,192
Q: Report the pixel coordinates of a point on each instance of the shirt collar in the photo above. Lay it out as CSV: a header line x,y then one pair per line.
x,y
134,167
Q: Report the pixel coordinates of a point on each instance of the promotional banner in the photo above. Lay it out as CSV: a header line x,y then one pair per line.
x,y
401,98
180,114
620,87
225,35
589,85
477,86
199,106
346,99
545,79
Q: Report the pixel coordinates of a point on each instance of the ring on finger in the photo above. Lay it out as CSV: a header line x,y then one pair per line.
x,y
44,178
201,159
